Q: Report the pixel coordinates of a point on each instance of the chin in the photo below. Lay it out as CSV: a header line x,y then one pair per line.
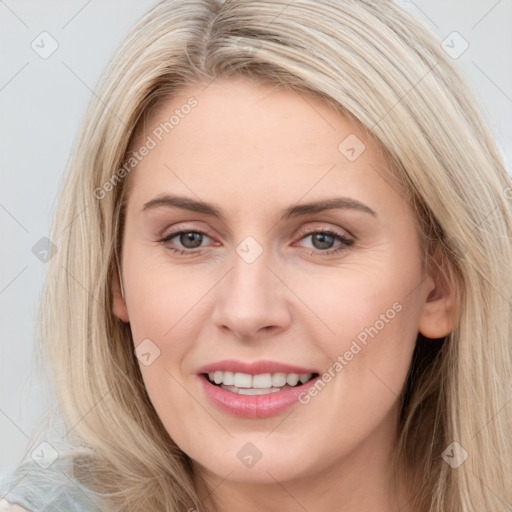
x,y
243,464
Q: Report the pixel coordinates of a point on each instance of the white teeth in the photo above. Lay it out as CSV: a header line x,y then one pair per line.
x,y
253,391
304,377
292,379
279,379
263,381
263,391
242,380
229,378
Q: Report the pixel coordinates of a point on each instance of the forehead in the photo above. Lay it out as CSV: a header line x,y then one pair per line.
x,y
236,136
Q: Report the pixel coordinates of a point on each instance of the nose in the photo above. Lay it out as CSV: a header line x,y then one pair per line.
x,y
251,301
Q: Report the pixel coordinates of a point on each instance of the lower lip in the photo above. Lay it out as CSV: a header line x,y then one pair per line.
x,y
254,406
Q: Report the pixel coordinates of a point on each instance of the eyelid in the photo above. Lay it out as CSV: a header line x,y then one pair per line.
x,y
345,242
186,229
302,230
344,245
322,226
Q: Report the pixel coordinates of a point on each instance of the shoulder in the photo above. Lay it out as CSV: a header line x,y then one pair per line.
x,y
33,488
5,506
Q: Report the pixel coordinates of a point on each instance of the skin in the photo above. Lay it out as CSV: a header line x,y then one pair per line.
x,y
254,150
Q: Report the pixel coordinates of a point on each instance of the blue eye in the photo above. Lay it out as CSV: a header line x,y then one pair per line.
x,y
327,237
191,240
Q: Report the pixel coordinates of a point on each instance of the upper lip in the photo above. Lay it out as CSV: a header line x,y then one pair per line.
x,y
253,367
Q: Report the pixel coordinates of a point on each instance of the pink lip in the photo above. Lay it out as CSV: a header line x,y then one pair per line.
x,y
253,406
254,368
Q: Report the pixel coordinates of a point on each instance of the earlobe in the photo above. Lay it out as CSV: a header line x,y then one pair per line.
x,y
118,301
438,313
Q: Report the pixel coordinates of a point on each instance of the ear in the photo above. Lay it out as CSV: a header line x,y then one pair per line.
x,y
118,303
438,314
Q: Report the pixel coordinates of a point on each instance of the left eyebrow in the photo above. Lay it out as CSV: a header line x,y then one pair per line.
x,y
347,203
335,203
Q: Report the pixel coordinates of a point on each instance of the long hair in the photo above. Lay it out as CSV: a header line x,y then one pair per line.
x,y
377,64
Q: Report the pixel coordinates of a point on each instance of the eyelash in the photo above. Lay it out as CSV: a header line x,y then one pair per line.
x,y
345,242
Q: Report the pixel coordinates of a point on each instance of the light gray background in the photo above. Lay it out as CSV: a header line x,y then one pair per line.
x,y
42,102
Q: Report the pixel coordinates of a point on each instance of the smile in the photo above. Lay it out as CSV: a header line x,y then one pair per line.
x,y
257,389
260,384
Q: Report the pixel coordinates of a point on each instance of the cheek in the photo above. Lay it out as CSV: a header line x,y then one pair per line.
x,y
173,402
162,299
364,320
166,306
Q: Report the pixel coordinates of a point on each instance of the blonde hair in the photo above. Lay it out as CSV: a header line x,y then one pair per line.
x,y
376,63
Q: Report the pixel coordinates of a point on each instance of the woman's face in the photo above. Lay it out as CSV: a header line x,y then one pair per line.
x,y
268,283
